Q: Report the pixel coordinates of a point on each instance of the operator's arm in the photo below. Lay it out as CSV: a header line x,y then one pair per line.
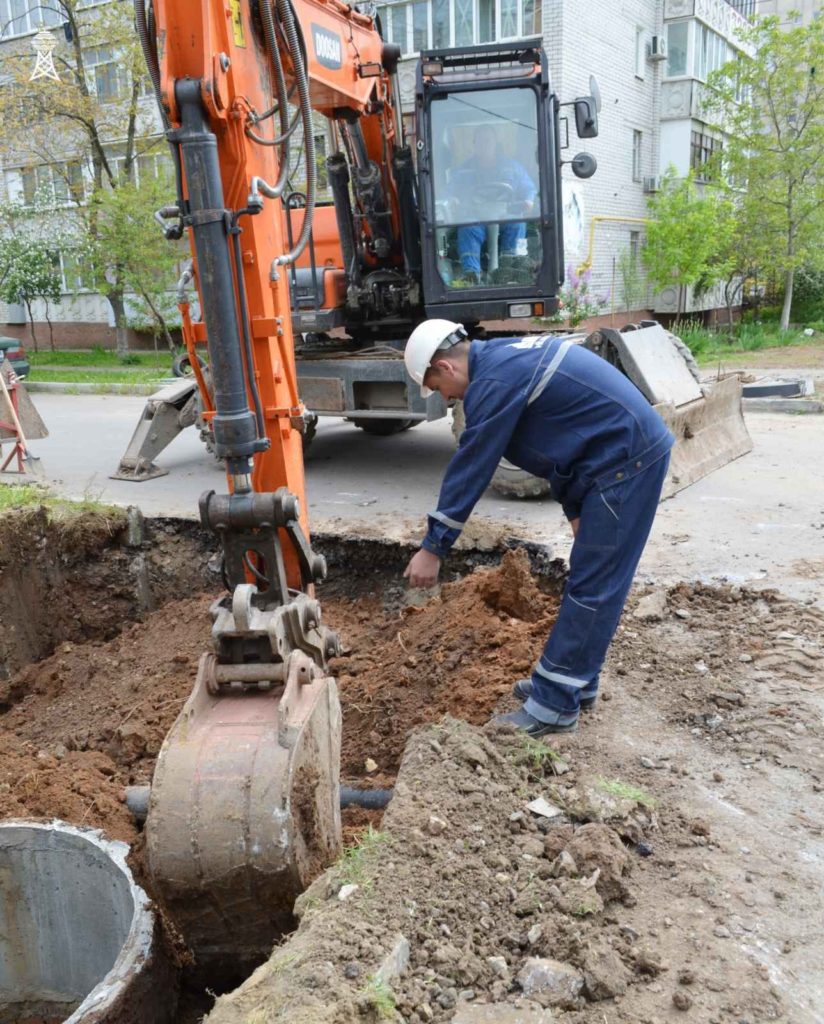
x,y
493,409
492,413
524,186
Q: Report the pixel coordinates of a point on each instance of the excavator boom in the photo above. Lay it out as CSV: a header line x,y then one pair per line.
x,y
244,806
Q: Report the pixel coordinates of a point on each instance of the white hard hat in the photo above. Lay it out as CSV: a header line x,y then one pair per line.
x,y
424,342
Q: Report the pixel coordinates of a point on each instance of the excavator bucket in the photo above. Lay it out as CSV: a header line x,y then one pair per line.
x,y
245,809
706,419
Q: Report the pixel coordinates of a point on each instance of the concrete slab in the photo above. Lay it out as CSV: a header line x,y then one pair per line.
x,y
790,405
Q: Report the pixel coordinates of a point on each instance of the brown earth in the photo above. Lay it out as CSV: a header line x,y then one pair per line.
x,y
712,708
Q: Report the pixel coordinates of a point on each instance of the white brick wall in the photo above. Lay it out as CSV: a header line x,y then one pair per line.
x,y
599,37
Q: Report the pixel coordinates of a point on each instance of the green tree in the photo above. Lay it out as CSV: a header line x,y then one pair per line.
x,y
86,138
29,270
127,238
684,237
769,102
631,280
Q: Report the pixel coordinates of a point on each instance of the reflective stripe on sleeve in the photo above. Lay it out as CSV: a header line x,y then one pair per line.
x,y
452,523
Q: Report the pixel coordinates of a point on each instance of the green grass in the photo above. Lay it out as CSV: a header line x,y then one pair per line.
x,y
589,904
101,357
625,791
14,496
355,864
138,375
709,346
536,755
380,996
22,496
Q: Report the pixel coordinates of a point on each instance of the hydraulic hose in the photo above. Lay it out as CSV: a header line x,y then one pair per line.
x,y
287,20
280,139
244,327
282,97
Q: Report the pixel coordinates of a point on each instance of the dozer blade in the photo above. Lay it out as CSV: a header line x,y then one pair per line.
x,y
245,811
709,433
707,420
166,413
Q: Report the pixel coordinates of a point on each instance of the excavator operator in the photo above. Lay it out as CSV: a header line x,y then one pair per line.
x,y
486,179
562,413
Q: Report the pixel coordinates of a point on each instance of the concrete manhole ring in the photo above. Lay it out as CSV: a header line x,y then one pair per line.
x,y
77,935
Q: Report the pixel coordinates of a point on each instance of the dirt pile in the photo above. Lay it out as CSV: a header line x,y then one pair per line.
x,y
474,894
77,787
117,697
457,655
676,873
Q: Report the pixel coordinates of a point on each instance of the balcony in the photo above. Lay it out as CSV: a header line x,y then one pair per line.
x,y
724,17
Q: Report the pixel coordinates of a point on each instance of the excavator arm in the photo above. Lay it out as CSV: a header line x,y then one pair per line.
x,y
244,807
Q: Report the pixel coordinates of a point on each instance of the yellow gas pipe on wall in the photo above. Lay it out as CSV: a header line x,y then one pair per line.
x,y
592,224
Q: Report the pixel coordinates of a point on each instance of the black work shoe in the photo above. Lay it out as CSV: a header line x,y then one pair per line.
x,y
523,691
533,727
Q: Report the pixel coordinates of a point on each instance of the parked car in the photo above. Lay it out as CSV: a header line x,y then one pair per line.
x,y
12,349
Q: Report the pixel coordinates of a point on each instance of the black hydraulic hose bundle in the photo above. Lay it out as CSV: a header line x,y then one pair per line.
x,y
267,16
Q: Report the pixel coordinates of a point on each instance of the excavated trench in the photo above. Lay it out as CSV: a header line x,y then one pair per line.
x,y
103,624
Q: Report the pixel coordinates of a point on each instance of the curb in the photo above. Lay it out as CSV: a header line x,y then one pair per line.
x,y
55,387
791,405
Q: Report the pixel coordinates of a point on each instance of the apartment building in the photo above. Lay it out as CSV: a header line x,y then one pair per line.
x,y
650,58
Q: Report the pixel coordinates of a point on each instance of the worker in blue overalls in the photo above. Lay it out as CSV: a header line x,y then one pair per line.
x,y
560,412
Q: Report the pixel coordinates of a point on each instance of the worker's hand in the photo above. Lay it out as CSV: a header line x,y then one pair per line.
x,y
574,523
423,569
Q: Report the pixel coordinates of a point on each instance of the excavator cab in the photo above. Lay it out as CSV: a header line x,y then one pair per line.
x,y
488,156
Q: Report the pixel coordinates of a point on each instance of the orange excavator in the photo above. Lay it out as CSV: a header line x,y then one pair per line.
x,y
244,807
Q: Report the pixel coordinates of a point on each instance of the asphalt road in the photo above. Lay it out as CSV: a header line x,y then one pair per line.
x,y
757,520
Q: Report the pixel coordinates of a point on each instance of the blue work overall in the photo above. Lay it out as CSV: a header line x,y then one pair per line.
x,y
562,413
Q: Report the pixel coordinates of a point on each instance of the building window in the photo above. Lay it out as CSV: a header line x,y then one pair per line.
x,y
320,162
20,16
105,75
634,247
677,48
705,155
48,183
423,24
76,273
640,53
711,52
146,166
154,165
637,137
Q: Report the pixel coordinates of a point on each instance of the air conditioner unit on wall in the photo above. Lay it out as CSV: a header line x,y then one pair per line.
x,y
652,183
657,48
